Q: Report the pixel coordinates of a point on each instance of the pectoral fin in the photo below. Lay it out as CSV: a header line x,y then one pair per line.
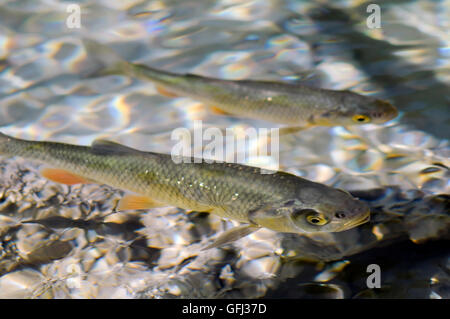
x,y
129,202
63,176
232,235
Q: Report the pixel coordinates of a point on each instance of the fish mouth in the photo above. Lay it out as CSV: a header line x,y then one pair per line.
x,y
354,223
390,111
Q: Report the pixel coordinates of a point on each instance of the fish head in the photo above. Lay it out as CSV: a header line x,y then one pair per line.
x,y
313,209
354,109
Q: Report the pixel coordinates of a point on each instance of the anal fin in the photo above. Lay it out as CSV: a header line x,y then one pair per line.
x,y
131,202
64,177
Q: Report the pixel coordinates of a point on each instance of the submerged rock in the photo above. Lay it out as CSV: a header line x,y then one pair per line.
x,y
77,242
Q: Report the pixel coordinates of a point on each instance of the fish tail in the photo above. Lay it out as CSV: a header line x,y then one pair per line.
x,y
108,60
111,63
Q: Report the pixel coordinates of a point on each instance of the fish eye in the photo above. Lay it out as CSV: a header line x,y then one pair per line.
x,y
316,220
360,118
309,217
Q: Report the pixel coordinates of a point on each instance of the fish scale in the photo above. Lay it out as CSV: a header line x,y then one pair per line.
x,y
279,201
285,103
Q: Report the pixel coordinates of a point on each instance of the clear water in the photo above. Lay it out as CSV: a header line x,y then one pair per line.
x,y
49,91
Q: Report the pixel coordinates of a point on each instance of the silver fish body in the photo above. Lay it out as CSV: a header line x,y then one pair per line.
x,y
295,105
279,201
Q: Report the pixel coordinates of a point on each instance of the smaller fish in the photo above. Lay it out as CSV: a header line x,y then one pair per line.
x,y
296,105
280,201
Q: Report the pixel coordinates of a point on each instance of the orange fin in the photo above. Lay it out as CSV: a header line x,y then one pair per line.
x,y
63,176
163,91
137,202
218,110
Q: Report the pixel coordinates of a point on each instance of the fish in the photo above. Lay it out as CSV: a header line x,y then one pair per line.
x,y
295,105
279,201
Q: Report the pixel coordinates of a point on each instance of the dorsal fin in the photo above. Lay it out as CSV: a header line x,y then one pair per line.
x,y
108,147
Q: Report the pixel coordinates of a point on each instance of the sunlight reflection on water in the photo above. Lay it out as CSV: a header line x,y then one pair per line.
x,y
49,90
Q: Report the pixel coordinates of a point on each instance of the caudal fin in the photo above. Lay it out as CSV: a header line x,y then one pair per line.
x,y
109,61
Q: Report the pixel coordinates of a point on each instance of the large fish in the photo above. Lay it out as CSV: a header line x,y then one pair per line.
x,y
295,105
279,201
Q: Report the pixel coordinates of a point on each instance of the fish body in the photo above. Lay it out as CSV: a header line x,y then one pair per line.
x,y
294,105
279,201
